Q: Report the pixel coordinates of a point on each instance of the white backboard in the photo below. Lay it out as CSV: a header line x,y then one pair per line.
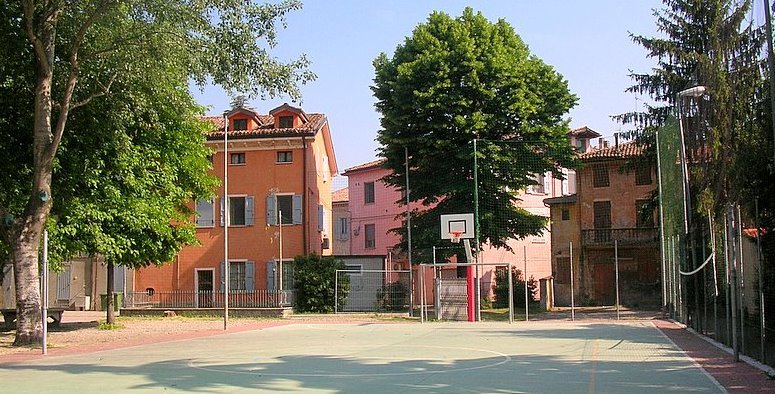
x,y
457,222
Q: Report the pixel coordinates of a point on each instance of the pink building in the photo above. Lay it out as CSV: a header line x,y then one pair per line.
x,y
373,207
374,210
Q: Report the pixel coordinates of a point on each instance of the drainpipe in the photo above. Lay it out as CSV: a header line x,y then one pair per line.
x,y
305,204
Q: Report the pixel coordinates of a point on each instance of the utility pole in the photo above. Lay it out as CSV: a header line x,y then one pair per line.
x,y
771,69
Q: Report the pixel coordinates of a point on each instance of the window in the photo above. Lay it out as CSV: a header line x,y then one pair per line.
x,y
643,175
237,158
368,192
237,276
354,269
240,124
644,217
581,144
285,209
370,236
565,214
237,211
543,184
205,213
241,276
286,122
240,211
602,221
600,175
343,229
323,215
289,205
285,156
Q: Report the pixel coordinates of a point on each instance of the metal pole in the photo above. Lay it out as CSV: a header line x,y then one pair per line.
x,y
524,275
728,274
225,221
741,282
336,292
771,67
280,263
44,289
409,232
476,233
511,295
616,268
422,293
762,325
572,302
715,274
661,227
733,259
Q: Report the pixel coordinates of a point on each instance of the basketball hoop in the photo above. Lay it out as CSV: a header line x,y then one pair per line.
x,y
455,236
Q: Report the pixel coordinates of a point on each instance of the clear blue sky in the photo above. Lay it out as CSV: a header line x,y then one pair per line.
x,y
585,41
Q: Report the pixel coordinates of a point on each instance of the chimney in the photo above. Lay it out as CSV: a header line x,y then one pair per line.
x,y
616,140
605,144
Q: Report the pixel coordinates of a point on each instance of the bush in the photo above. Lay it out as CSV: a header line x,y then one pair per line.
x,y
393,297
502,289
315,283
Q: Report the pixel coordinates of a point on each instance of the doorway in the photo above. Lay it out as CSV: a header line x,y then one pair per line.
x,y
204,287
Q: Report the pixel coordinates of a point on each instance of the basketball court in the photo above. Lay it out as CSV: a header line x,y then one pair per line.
x,y
549,356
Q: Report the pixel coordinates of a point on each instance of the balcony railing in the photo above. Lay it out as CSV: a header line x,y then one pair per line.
x,y
607,236
209,299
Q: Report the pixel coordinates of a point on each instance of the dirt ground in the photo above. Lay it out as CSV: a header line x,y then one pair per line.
x,y
82,329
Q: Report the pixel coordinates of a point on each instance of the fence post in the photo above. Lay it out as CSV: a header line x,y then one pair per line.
x,y
733,259
762,321
524,274
511,295
616,268
572,301
336,292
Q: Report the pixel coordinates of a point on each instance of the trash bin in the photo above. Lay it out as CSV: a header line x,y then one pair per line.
x,y
117,298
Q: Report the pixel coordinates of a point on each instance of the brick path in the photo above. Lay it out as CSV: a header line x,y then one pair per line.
x,y
737,377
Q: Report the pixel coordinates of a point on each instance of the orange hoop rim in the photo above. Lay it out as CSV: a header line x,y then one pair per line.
x,y
455,236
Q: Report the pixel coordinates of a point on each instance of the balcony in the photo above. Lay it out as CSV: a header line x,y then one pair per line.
x,y
625,236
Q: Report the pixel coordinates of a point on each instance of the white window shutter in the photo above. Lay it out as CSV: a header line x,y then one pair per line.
x,y
548,183
297,209
321,217
271,215
565,191
249,209
223,212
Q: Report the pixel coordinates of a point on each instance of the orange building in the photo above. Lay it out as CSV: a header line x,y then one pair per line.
x,y
279,185
610,208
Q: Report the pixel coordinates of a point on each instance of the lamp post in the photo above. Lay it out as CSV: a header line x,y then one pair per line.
x,y
693,92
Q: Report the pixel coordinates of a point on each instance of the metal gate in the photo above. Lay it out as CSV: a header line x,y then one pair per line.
x,y
372,291
452,300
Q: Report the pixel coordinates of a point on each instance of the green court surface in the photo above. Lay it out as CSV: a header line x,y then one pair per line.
x,y
535,357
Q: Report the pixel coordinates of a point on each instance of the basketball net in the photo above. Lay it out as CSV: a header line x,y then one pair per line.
x,y
455,236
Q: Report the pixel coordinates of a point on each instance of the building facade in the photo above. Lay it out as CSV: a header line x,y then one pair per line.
x,y
280,167
610,221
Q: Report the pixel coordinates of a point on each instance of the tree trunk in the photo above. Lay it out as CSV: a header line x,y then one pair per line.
x,y
111,312
29,325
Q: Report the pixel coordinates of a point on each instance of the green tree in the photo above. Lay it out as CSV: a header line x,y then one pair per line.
x,y
315,279
62,56
459,79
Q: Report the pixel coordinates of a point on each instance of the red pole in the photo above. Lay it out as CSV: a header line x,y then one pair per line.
x,y
471,291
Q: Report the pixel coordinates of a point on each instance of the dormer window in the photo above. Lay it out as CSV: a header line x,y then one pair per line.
x,y
286,122
240,124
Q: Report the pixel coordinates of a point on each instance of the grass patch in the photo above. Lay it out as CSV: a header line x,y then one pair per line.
x,y
110,327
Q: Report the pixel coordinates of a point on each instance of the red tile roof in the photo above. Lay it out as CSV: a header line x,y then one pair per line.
x,y
623,151
341,195
365,166
584,132
266,128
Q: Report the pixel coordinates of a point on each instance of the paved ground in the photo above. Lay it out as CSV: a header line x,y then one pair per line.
x,y
359,353
375,357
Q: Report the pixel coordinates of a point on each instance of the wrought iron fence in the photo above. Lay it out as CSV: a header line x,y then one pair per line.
x,y
209,299
607,236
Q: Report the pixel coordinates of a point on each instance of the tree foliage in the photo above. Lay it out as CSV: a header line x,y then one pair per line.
x,y
315,279
501,289
459,79
114,75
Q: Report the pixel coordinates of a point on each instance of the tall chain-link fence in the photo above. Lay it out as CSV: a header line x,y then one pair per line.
x,y
718,267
